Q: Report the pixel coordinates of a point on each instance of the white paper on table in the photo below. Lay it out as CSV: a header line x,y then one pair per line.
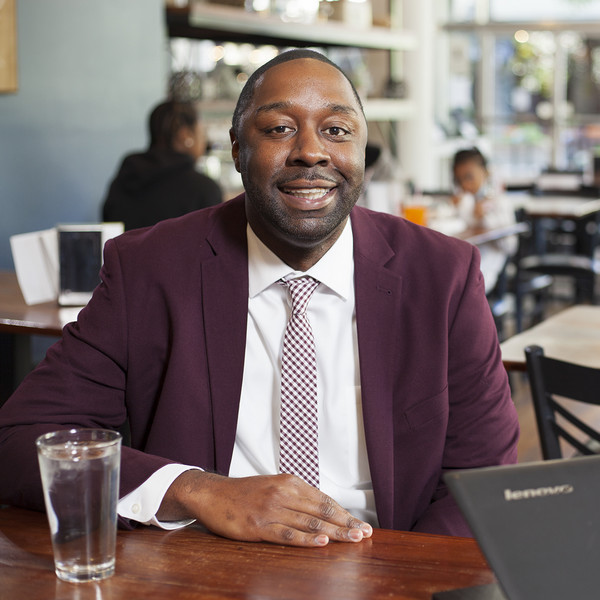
x,y
35,256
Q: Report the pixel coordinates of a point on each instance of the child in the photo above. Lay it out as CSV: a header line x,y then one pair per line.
x,y
482,204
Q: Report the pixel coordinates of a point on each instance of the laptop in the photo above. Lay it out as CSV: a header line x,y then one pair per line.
x,y
538,525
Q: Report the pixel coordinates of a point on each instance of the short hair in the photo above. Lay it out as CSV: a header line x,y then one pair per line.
x,y
468,155
167,119
247,93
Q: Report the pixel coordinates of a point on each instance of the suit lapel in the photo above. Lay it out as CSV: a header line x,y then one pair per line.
x,y
378,298
225,306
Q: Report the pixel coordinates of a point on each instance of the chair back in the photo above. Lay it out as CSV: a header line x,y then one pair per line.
x,y
550,380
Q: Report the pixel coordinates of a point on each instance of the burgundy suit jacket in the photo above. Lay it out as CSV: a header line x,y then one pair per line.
x,y
162,343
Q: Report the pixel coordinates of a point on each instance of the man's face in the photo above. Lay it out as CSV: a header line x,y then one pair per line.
x,y
301,153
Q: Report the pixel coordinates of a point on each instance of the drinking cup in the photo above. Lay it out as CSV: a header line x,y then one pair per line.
x,y
80,478
417,213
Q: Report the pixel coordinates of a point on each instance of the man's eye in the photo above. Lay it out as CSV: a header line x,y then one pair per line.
x,y
279,129
336,131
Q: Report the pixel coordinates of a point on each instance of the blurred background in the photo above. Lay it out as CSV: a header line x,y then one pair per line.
x,y
518,79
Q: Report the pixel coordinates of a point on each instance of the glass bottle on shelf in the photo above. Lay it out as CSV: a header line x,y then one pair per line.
x,y
297,11
262,7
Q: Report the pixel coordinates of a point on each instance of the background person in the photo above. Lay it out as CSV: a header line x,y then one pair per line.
x,y
163,182
481,202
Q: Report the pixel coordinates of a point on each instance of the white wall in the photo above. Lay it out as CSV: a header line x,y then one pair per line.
x,y
417,143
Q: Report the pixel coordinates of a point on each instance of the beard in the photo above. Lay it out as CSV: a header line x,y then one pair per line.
x,y
268,213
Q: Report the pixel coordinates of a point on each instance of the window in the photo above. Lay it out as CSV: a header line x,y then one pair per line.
x,y
531,90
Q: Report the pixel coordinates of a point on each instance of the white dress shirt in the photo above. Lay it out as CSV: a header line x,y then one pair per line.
x,y
343,464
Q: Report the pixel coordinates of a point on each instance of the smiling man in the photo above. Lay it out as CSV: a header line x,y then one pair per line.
x,y
395,367
301,151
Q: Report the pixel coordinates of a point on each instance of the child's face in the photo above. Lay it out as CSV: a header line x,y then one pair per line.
x,y
470,176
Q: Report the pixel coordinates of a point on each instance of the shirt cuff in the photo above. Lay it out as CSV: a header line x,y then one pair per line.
x,y
143,503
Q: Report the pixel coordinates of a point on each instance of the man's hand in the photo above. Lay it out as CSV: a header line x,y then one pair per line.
x,y
274,508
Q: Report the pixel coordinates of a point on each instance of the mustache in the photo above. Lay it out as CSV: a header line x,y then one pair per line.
x,y
308,175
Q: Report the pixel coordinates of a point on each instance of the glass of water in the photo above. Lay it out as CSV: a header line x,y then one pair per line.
x,y
80,478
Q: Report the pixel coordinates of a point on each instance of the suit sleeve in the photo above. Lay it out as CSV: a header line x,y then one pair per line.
x,y
80,383
482,426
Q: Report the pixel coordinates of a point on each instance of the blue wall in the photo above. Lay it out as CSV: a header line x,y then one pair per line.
x,y
89,72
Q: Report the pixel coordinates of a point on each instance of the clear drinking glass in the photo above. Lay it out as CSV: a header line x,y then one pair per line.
x,y
80,478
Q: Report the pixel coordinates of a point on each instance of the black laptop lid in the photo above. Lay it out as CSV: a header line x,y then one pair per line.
x,y
538,525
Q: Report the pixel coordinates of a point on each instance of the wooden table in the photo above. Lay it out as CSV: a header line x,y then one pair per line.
x,y
583,212
18,322
189,563
481,235
557,207
572,334
477,236
18,318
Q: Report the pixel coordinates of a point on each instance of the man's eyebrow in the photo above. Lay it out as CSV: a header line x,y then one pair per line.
x,y
343,108
337,108
273,106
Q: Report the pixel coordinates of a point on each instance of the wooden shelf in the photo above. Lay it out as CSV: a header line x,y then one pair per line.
x,y
591,28
223,23
228,24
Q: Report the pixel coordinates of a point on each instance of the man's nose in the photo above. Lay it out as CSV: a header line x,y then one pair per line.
x,y
309,148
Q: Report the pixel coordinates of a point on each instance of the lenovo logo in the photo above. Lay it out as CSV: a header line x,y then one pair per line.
x,y
541,492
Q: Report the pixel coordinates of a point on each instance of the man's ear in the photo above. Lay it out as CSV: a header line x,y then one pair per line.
x,y
235,150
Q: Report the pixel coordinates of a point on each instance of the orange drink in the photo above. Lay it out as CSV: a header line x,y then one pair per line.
x,y
417,213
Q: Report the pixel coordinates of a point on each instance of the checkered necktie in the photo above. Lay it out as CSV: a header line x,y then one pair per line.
x,y
298,421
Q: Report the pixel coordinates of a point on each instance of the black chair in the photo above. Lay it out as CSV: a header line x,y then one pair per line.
x,y
581,269
497,299
549,378
527,283
575,262
520,285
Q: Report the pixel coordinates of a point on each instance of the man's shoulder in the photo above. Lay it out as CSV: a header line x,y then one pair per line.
x,y
193,224
425,259
188,233
402,235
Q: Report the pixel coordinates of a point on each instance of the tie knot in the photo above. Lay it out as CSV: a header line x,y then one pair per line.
x,y
301,290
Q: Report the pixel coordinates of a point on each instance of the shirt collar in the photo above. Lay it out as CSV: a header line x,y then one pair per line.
x,y
335,269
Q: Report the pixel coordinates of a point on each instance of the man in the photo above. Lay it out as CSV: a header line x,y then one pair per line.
x,y
185,333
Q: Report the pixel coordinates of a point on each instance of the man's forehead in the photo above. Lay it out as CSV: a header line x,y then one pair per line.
x,y
311,67
315,71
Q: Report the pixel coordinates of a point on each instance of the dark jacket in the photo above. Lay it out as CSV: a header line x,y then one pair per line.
x,y
157,185
163,340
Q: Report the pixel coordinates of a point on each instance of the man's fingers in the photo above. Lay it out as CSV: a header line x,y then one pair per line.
x,y
310,528
289,536
284,534
314,503
305,516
